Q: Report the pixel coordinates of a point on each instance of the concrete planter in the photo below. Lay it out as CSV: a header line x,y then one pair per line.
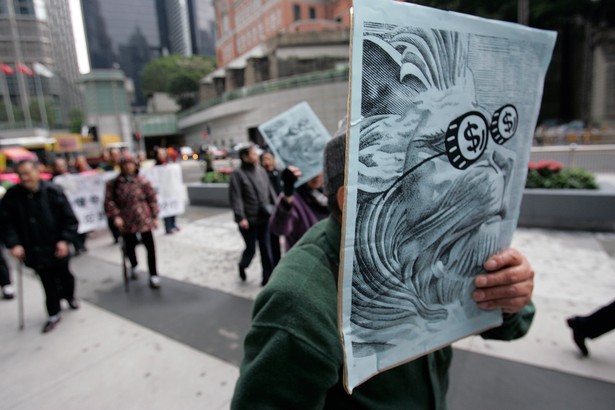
x,y
208,194
592,210
577,209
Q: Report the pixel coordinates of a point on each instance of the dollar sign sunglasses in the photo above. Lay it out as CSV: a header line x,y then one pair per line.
x,y
466,139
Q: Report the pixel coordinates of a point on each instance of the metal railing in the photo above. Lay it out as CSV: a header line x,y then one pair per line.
x,y
593,158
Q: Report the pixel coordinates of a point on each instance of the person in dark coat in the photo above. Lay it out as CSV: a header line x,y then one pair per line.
x,y
8,292
250,193
590,327
268,163
39,224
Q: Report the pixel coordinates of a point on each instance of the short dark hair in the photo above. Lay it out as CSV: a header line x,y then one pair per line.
x,y
244,151
26,161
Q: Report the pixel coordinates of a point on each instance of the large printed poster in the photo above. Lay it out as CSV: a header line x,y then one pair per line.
x,y
297,137
443,108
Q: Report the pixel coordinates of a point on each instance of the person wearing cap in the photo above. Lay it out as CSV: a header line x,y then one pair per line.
x,y
39,223
252,198
130,200
293,351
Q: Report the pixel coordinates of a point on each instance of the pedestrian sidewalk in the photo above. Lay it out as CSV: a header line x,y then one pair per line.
x,y
97,359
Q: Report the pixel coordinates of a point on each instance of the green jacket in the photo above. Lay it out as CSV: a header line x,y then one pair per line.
x,y
293,353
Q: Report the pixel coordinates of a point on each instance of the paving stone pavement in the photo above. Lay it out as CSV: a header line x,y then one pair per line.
x,y
574,275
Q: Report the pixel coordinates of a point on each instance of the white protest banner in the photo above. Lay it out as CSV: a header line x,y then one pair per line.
x,y
86,194
443,109
297,137
169,187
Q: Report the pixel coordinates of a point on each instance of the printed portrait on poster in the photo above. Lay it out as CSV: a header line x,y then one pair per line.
x,y
442,119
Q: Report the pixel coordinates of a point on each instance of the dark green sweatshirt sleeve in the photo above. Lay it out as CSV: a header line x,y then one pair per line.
x,y
514,326
281,371
292,352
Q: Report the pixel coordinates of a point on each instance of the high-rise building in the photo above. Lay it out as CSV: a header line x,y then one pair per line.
x,y
40,31
178,26
128,34
66,72
122,34
202,27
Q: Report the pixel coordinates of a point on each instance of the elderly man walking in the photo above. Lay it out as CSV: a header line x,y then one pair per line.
x,y
39,223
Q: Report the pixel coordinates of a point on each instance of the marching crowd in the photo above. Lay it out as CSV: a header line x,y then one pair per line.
x,y
40,229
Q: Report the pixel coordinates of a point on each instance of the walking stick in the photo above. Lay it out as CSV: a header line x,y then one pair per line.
x,y
20,295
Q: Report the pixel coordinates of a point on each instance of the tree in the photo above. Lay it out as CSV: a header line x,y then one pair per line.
x,y
178,76
75,120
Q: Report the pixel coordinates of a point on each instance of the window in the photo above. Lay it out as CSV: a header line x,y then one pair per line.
x,y
312,13
297,12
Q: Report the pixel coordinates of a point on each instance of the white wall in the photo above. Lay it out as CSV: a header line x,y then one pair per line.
x,y
229,122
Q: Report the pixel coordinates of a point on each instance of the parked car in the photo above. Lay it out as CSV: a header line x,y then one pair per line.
x,y
218,153
187,153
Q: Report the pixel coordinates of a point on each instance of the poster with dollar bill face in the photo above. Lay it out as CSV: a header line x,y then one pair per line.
x,y
443,108
297,137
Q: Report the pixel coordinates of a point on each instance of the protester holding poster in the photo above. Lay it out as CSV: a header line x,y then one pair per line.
x,y
293,353
170,225
297,210
131,201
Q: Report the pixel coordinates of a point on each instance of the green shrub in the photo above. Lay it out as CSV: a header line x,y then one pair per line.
x,y
215,177
552,175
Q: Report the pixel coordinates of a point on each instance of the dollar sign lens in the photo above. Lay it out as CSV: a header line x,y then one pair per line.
x,y
473,139
504,123
466,139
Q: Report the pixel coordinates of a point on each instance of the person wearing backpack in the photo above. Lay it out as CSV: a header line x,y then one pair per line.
x,y
130,200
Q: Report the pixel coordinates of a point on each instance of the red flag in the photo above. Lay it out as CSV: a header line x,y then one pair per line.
x,y
24,69
6,69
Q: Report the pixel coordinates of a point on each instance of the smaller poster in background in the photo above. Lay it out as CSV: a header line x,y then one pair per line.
x,y
169,187
86,194
297,137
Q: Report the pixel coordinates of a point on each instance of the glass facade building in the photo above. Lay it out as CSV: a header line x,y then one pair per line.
x,y
128,34
41,32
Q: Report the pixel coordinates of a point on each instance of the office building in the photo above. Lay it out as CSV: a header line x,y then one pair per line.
x,y
127,35
39,32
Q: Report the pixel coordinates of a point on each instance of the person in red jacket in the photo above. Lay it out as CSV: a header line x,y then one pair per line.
x,y
131,202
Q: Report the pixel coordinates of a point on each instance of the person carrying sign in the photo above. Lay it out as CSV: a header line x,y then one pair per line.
x,y
297,210
294,338
131,202
39,223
